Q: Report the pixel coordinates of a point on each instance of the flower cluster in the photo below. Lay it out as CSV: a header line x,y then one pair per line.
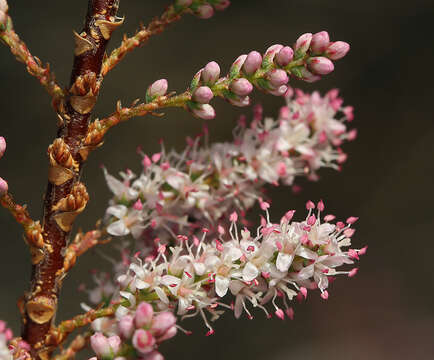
x,y
310,58
3,183
133,333
195,188
279,261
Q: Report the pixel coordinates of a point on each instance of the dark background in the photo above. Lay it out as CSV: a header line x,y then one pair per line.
x,y
386,312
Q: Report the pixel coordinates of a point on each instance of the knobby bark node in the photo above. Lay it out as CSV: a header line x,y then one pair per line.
x,y
65,195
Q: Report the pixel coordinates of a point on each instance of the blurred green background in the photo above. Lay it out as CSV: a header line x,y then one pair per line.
x,y
386,312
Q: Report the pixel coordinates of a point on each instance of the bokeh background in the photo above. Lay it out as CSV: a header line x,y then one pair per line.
x,y
386,312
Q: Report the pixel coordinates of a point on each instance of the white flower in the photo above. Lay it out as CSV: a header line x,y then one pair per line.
x,y
129,221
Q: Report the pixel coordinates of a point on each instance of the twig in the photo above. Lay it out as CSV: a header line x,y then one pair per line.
x,y
33,64
128,44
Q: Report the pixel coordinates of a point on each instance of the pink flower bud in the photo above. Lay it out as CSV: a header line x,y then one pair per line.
x,y
277,77
320,41
100,345
308,76
2,146
223,4
211,73
3,187
143,341
3,17
240,101
236,66
280,91
337,50
203,95
3,6
303,42
205,11
284,56
241,87
158,88
126,326
144,314
252,63
184,3
115,343
204,111
162,322
320,65
168,334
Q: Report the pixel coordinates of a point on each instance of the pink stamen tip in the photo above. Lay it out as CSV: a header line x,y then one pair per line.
x,y
172,285
205,230
188,274
325,295
280,314
162,249
311,220
304,239
209,333
289,215
321,206
352,220
349,232
328,218
340,225
156,157
265,275
363,250
303,291
264,205
233,217
136,255
353,272
146,161
353,254
310,205
138,205
290,313
279,245
221,230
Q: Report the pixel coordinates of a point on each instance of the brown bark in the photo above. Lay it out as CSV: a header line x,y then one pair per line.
x,y
65,196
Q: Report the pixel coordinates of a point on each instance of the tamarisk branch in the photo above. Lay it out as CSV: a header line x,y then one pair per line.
x,y
66,196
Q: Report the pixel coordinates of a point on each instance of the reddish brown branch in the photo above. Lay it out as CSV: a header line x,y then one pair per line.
x,y
65,196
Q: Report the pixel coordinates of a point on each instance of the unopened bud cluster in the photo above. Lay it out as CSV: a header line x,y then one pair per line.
x,y
310,59
134,333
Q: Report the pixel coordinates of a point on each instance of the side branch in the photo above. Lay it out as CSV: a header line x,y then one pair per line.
x,y
32,229
34,66
128,44
173,13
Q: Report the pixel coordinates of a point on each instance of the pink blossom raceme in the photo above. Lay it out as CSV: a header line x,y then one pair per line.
x,y
279,262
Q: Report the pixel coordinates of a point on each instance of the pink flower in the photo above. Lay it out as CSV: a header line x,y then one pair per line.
x,y
143,341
